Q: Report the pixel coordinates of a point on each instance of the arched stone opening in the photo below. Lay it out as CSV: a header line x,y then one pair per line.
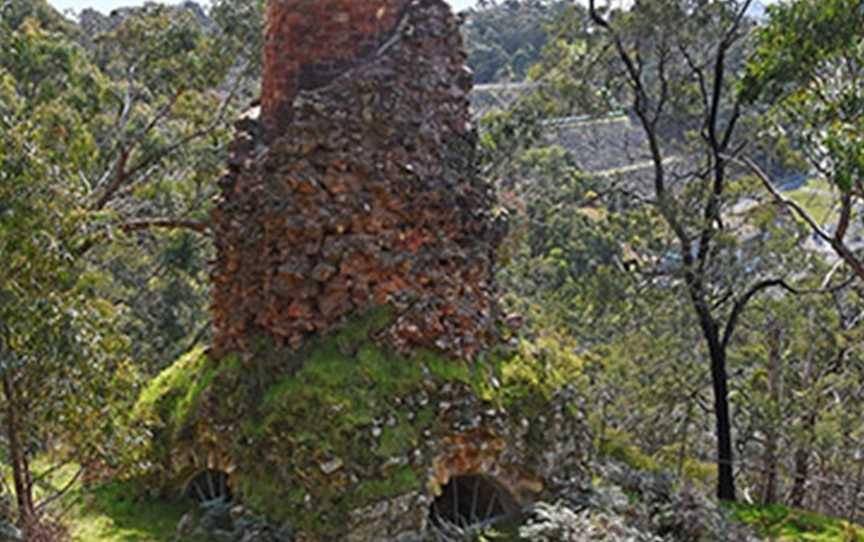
x,y
469,503
209,485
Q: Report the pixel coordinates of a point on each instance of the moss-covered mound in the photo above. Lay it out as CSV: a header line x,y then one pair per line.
x,y
167,414
312,437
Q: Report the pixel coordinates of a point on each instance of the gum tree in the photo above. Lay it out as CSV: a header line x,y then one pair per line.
x,y
104,143
806,71
673,65
58,351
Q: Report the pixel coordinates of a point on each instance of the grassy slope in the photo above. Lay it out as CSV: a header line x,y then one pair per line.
x,y
113,512
781,524
776,523
815,197
117,513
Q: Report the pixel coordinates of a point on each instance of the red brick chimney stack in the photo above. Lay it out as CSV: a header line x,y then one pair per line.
x,y
310,42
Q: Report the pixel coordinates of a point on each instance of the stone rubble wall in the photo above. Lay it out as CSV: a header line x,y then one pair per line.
x,y
361,191
531,456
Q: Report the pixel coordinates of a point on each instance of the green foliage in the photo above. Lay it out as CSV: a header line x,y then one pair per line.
x,y
161,130
122,512
61,348
806,67
241,23
619,445
505,39
15,12
100,134
787,525
540,367
800,36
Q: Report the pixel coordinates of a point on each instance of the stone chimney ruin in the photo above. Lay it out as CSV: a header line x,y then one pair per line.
x,y
352,189
355,184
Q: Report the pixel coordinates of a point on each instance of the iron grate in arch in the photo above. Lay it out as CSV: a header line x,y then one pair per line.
x,y
209,485
468,504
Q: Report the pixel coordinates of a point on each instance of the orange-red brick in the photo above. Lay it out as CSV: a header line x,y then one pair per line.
x,y
308,42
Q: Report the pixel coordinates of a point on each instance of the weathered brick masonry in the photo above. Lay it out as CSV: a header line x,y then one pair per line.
x,y
357,186
310,42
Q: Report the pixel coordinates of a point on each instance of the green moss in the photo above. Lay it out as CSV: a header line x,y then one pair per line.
x,y
165,392
168,404
359,330
398,439
400,481
300,416
187,402
445,369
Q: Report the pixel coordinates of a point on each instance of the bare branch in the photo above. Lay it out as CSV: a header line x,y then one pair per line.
x,y
780,198
595,15
40,507
120,176
836,241
166,223
845,214
729,38
700,74
741,304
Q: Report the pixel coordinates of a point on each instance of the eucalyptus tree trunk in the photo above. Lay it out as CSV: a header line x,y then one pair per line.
x,y
775,392
857,489
802,468
723,422
21,477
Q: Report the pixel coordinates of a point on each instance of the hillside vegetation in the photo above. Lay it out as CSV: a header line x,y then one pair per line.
x,y
680,184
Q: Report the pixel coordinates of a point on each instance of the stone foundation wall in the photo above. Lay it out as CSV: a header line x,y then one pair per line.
x,y
529,456
359,442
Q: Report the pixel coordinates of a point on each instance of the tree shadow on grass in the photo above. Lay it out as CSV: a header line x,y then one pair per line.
x,y
120,512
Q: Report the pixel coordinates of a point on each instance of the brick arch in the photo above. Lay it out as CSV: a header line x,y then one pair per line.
x,y
471,501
